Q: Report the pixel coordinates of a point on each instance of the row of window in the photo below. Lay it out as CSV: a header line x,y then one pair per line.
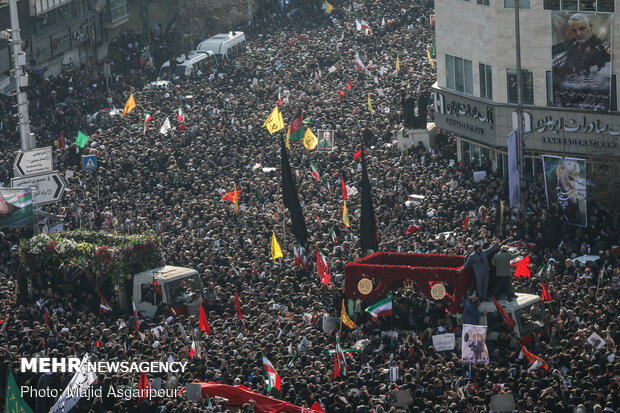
x,y
459,77
579,5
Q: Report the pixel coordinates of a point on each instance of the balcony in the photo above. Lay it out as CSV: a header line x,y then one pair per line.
x,y
39,7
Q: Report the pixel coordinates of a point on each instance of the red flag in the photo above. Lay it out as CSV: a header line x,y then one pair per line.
x,y
98,344
317,218
62,140
349,85
203,322
238,306
144,387
47,317
412,229
357,155
280,101
546,296
336,367
465,223
531,358
509,321
341,95
135,316
523,269
230,196
156,286
344,188
317,407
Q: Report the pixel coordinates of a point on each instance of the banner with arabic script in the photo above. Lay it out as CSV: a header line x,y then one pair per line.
x,y
581,59
565,185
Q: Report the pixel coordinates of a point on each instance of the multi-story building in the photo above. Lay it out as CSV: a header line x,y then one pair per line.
x,y
569,95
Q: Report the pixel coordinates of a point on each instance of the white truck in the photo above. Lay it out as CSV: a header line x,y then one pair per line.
x,y
177,286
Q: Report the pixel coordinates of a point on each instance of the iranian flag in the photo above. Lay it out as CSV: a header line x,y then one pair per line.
x,y
273,378
315,172
380,308
365,27
145,125
194,350
342,361
181,115
334,237
322,269
358,61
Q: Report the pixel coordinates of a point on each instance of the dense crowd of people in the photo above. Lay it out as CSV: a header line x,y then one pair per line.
x,y
173,183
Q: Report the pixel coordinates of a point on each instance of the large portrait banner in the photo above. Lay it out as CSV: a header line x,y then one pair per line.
x,y
581,59
565,185
473,345
15,207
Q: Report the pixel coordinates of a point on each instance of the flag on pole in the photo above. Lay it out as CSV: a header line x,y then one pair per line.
x,y
344,188
328,10
81,139
345,317
273,378
238,306
329,188
380,308
523,268
203,322
315,172
79,384
135,316
532,358
357,155
129,105
365,27
180,115
145,124
274,122
465,223
345,215
295,129
235,199
310,140
290,197
166,127
230,196
321,267
144,388
62,140
194,350
397,62
276,252
368,225
428,53
370,104
336,366
507,319
546,296
334,236
358,62
342,361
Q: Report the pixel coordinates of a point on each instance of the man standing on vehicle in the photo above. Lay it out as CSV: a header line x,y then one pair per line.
x,y
479,263
503,273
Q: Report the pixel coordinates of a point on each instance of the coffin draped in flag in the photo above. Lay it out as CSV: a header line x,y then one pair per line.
x,y
380,308
291,199
79,384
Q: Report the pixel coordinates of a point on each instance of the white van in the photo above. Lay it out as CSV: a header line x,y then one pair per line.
x,y
190,64
224,45
526,310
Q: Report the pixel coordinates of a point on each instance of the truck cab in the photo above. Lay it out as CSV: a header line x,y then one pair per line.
x,y
177,284
526,310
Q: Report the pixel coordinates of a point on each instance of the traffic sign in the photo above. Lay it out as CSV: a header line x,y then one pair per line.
x,y
48,187
89,162
36,161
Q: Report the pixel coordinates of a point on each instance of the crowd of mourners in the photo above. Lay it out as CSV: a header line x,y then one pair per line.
x,y
172,184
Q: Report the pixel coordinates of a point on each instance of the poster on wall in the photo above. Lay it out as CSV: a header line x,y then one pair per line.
x,y
565,185
581,59
473,345
15,207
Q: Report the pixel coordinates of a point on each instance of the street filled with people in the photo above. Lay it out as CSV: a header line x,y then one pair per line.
x,y
301,60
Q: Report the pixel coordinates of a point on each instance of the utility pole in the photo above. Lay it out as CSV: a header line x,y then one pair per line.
x,y
19,77
520,141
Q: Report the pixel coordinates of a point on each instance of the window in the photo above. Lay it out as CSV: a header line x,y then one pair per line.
x,y
613,101
549,82
459,74
581,5
483,2
523,4
527,86
486,83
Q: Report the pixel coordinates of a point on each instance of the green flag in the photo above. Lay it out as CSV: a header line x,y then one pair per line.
x,y
81,139
13,401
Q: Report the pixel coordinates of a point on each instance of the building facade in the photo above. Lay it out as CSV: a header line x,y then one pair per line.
x,y
475,97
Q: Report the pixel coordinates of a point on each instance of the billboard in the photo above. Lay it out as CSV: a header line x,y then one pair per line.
x,y
473,345
565,185
15,207
581,59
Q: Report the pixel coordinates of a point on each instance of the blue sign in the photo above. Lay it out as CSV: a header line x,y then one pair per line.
x,y
89,162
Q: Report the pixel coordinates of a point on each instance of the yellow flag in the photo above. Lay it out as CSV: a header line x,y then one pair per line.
x,y
129,106
397,62
370,104
276,252
328,7
274,122
288,137
428,53
345,215
345,318
236,199
310,140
